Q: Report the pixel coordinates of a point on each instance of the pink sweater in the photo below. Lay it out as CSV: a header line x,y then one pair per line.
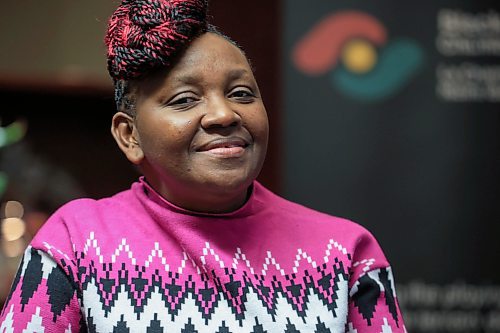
x,y
136,263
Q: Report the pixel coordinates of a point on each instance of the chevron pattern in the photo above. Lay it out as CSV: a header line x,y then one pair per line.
x,y
212,293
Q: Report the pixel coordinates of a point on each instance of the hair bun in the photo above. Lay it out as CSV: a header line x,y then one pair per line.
x,y
146,34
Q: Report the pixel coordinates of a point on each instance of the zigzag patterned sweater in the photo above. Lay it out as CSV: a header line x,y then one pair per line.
x,y
136,263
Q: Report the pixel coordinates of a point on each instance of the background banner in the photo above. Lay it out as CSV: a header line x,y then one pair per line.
x,y
392,119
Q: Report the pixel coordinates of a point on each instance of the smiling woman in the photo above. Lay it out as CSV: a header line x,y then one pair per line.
x,y
196,244
199,130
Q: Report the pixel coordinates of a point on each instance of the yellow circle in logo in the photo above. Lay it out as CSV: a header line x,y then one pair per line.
x,y
359,56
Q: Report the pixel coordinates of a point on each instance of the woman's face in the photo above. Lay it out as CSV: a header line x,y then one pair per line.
x,y
202,127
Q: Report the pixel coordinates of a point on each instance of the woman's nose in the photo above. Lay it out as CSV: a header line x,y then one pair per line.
x,y
220,113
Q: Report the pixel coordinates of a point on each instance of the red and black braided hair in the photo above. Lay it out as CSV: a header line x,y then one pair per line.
x,y
146,34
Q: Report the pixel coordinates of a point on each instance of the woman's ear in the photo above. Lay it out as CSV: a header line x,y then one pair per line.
x,y
125,133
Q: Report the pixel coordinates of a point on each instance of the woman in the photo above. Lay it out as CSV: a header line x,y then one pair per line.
x,y
196,244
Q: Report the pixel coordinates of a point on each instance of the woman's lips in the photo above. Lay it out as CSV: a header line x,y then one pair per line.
x,y
225,147
227,151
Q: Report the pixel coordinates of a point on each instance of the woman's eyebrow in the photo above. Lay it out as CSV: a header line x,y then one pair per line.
x,y
186,79
193,79
238,73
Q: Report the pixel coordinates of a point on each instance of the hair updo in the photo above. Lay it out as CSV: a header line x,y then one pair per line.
x,y
144,35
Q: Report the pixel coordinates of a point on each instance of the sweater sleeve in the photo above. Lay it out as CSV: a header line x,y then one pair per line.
x,y
43,297
372,305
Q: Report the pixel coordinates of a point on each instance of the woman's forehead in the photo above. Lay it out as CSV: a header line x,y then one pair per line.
x,y
210,58
208,55
210,50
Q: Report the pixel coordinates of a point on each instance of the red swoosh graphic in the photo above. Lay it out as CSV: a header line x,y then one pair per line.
x,y
319,49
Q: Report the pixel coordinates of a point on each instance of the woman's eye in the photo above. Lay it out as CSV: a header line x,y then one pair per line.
x,y
182,101
242,95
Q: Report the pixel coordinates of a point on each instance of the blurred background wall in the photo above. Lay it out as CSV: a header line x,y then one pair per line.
x,y
381,112
392,119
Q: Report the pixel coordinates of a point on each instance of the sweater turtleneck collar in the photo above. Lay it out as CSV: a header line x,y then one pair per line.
x,y
151,198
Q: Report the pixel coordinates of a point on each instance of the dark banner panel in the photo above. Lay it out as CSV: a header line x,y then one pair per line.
x,y
392,119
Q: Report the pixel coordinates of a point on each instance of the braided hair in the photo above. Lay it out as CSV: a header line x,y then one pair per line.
x,y
144,35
